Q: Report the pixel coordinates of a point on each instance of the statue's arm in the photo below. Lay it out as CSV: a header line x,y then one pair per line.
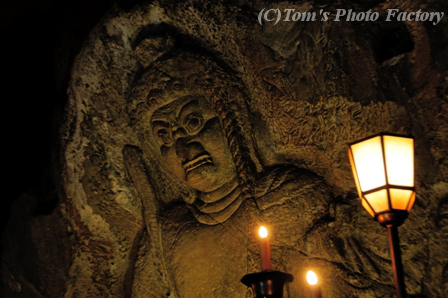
x,y
150,274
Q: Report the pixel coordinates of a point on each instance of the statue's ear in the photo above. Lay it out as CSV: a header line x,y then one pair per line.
x,y
151,48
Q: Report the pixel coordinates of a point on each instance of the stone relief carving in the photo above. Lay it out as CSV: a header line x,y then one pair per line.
x,y
179,142
191,108
185,102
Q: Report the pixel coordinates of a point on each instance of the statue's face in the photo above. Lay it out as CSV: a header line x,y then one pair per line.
x,y
193,144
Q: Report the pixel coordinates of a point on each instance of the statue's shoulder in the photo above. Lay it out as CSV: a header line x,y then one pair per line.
x,y
278,177
291,185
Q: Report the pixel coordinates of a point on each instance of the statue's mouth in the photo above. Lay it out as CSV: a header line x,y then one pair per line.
x,y
196,162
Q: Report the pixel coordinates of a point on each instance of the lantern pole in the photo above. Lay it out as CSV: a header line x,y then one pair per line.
x,y
392,220
395,255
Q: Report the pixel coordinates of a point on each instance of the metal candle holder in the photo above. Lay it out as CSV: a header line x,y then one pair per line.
x,y
267,284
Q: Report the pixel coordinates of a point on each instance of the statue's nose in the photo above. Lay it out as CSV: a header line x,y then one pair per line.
x,y
187,149
177,131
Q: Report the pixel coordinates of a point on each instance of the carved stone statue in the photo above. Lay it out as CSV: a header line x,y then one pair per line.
x,y
195,113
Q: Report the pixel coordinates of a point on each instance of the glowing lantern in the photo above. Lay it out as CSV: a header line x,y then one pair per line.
x,y
383,167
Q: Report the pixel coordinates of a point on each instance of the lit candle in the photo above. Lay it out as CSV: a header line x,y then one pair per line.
x,y
313,288
265,249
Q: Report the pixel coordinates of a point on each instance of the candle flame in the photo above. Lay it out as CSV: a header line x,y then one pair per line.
x,y
311,278
263,232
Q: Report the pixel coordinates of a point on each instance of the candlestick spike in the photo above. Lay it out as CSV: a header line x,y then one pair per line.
x,y
267,284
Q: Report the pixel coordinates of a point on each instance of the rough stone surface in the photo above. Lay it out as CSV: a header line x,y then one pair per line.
x,y
287,99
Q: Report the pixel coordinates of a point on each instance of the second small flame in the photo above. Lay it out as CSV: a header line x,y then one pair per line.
x,y
311,277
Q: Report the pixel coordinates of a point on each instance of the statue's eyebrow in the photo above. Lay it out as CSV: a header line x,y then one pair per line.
x,y
160,123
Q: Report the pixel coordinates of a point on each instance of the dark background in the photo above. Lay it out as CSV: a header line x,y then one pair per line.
x,y
39,40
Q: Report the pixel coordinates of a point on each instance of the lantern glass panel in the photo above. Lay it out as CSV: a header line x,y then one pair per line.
x,y
399,154
400,198
355,175
365,205
369,163
411,203
378,200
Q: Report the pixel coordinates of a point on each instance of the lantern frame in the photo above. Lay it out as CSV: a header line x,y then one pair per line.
x,y
390,215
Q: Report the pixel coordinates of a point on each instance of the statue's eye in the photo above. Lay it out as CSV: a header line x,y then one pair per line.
x,y
194,122
164,136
